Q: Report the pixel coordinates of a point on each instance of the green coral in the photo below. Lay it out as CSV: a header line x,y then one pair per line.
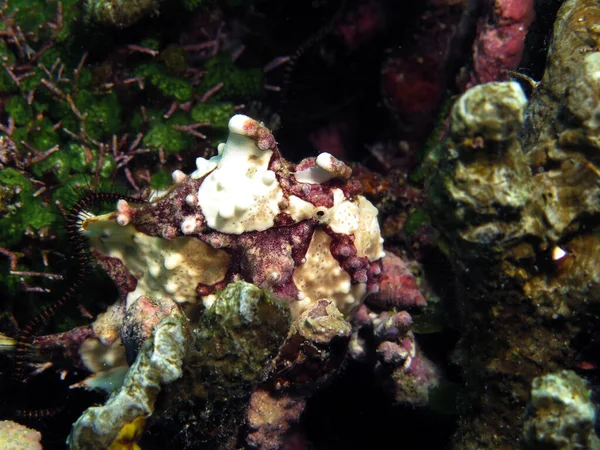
x,y
74,159
8,193
78,157
34,82
6,55
85,78
32,16
7,85
161,180
151,43
174,59
82,163
56,163
76,183
71,108
42,135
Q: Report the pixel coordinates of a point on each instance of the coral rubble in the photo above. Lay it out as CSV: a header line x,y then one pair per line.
x,y
17,436
160,363
193,369
560,414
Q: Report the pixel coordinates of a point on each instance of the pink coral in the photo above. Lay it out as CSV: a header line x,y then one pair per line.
x,y
270,417
403,369
500,40
418,71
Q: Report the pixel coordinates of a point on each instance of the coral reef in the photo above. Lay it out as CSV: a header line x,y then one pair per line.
x,y
513,195
560,414
260,283
19,209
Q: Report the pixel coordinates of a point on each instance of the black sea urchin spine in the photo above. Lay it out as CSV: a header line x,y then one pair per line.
x,y
79,245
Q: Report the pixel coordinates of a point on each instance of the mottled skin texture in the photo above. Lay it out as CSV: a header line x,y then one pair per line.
x,y
266,258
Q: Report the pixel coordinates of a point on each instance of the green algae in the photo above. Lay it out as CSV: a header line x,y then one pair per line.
x,y
169,86
238,84
162,134
235,338
216,114
19,209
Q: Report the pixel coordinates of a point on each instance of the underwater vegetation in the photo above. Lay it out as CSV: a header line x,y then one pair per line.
x,y
333,224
